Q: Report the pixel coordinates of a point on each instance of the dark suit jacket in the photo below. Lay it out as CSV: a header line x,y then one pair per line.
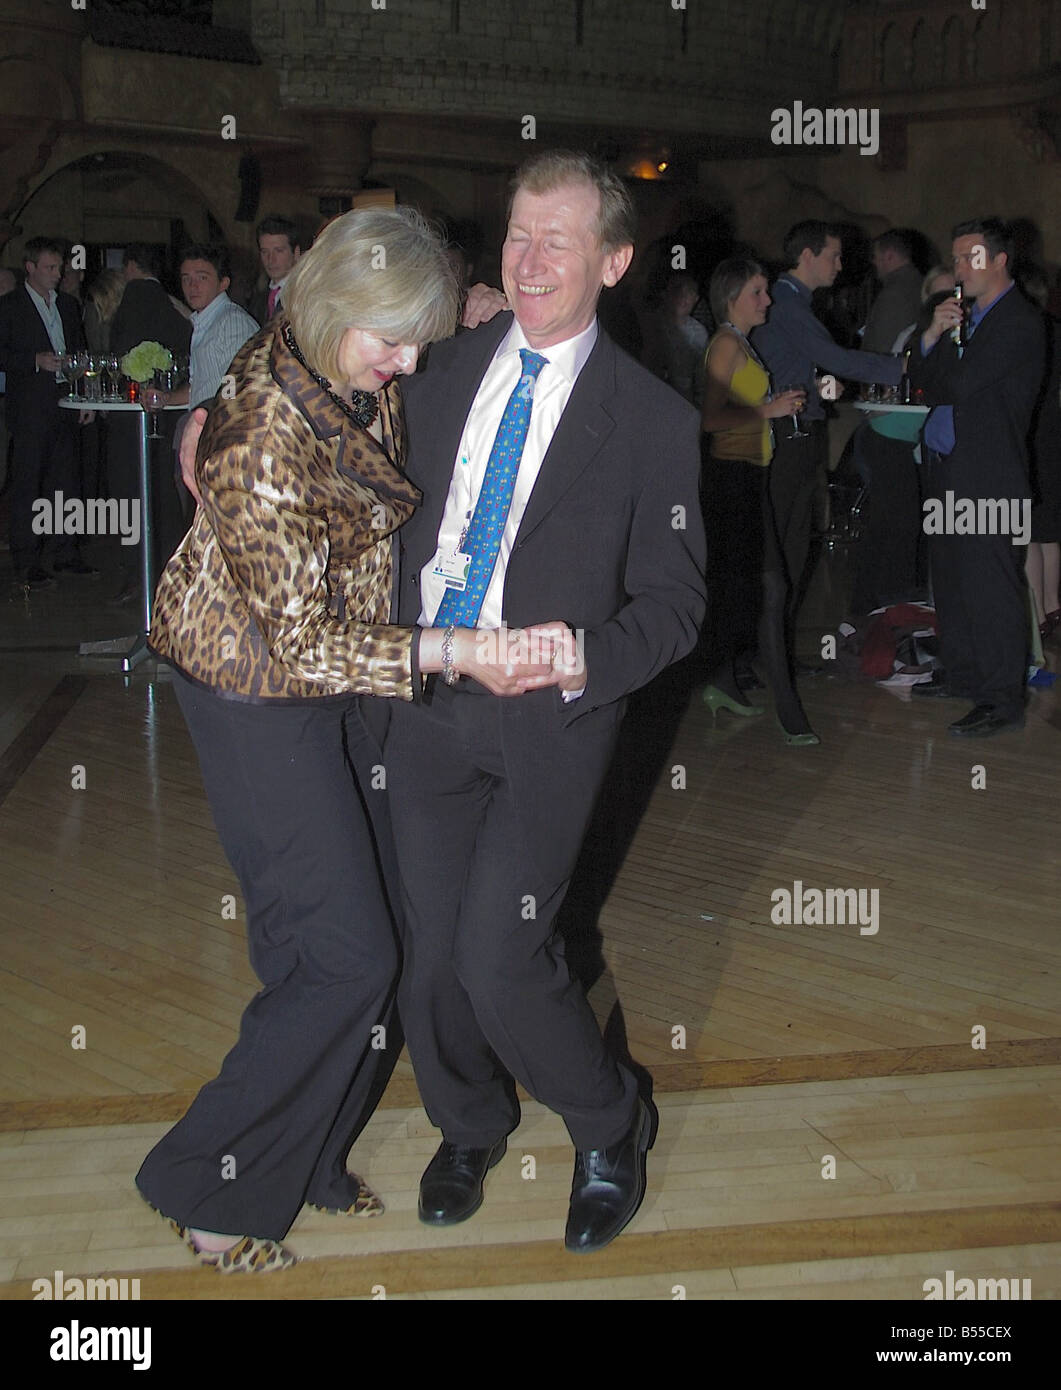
x,y
258,305
147,314
611,542
31,394
993,388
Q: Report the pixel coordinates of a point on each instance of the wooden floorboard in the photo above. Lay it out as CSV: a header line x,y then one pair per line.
x,y
924,1058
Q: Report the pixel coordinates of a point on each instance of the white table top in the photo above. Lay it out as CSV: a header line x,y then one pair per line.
x,y
884,408
76,403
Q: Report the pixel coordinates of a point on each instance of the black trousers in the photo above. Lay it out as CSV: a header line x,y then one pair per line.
x,y
273,1130
981,599
486,993
44,460
741,536
793,483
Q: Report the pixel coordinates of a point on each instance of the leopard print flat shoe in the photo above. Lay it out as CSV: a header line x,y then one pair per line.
x,y
366,1203
249,1255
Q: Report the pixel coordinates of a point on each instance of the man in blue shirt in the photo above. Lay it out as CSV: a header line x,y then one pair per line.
x,y
792,344
983,394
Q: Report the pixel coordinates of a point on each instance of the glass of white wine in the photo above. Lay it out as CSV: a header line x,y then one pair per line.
x,y
76,368
93,371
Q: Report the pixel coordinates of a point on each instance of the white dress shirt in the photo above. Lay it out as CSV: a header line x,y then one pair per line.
x,y
53,322
552,390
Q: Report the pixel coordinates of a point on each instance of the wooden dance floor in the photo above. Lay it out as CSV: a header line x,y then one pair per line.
x,y
844,1113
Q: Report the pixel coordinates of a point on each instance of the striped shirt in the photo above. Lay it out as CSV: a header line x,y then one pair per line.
x,y
218,333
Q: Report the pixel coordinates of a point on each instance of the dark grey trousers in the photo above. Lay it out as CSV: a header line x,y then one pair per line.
x,y
273,1130
486,993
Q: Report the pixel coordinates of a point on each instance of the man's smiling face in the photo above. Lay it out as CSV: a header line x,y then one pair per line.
x,y
553,266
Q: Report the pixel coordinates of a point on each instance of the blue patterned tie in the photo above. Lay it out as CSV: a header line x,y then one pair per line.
x,y
461,607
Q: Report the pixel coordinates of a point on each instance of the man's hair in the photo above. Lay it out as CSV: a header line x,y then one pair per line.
x,y
897,240
994,232
211,251
382,270
552,169
279,226
148,258
37,245
729,278
811,235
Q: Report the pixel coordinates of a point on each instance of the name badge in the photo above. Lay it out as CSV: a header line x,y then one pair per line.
x,y
453,567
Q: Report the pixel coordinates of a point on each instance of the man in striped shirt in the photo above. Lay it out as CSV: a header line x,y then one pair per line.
x,y
219,327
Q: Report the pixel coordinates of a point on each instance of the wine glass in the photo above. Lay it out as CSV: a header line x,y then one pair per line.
x,y
60,371
112,376
149,400
93,369
76,370
797,433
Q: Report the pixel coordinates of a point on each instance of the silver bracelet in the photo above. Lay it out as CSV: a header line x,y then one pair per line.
x,y
450,674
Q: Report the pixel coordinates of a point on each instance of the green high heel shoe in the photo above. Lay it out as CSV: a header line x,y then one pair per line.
x,y
716,699
806,740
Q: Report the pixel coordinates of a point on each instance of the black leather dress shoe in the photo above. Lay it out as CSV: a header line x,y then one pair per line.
x,y
934,689
451,1189
608,1187
983,721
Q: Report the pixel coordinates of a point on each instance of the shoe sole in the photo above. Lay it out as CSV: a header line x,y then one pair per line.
x,y
456,1220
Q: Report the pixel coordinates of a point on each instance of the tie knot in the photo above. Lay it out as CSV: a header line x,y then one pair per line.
x,y
533,362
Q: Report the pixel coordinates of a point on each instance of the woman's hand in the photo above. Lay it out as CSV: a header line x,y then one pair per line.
x,y
482,304
509,661
788,403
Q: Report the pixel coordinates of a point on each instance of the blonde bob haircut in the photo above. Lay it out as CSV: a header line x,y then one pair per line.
x,y
382,270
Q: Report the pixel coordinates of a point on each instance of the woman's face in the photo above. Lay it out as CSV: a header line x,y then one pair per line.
x,y
749,308
944,281
367,363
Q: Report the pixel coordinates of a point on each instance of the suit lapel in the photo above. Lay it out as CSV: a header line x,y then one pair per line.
x,y
584,429
33,321
431,464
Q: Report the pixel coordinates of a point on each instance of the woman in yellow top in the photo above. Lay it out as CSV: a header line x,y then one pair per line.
x,y
748,587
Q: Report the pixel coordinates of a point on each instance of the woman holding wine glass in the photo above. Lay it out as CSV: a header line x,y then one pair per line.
x,y
749,584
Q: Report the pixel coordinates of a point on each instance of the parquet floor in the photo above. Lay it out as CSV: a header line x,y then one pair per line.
x,y
924,1058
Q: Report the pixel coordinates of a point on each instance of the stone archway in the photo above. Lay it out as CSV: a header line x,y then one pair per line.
x,y
117,196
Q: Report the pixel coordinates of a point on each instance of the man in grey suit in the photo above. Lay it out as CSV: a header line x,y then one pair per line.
x,y
594,528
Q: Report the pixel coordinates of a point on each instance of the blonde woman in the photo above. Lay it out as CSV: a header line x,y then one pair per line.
x,y
747,588
274,615
101,300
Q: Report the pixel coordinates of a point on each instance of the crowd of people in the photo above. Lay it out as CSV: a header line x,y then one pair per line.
x,y
459,575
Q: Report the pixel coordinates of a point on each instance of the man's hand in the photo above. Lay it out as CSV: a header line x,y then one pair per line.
x,y
507,661
568,660
47,362
189,444
85,417
482,304
947,315
511,661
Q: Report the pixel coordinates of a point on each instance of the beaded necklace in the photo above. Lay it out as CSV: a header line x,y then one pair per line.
x,y
365,405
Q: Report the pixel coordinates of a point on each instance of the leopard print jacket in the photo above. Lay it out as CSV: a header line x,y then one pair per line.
x,y
281,590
